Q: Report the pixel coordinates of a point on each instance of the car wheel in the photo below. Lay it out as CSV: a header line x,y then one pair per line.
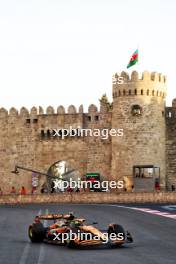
x,y
70,241
117,229
36,232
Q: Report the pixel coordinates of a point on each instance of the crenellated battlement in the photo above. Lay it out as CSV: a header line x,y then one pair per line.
x,y
39,111
146,76
150,84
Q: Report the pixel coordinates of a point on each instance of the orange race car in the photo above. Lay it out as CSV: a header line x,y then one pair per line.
x,y
73,232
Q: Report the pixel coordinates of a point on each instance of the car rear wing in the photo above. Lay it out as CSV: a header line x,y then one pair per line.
x,y
49,216
54,216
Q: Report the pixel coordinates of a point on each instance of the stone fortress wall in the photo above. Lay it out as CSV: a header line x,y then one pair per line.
x,y
26,140
149,135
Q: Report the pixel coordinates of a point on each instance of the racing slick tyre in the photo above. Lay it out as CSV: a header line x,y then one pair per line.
x,y
71,244
70,241
118,230
36,232
129,237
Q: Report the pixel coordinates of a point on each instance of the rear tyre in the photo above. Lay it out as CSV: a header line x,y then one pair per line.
x,y
36,232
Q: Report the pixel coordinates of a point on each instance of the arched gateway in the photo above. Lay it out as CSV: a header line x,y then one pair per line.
x,y
61,171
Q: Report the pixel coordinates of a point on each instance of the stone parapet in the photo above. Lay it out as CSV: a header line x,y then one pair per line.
x,y
91,198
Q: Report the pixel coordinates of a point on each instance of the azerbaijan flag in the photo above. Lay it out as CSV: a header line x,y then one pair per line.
x,y
134,59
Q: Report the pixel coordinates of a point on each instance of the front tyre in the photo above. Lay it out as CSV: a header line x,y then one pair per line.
x,y
36,232
71,242
119,232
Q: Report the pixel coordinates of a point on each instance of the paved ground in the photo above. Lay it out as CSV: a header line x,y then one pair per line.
x,y
154,235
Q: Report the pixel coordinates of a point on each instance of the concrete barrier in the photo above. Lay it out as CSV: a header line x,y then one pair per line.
x,y
90,198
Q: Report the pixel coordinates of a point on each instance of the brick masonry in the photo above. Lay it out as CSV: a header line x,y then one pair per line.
x,y
91,198
26,136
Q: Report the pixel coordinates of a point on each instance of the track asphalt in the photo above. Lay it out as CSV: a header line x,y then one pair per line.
x,y
154,235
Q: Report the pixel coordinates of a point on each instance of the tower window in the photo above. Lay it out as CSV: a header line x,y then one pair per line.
x,y
129,92
96,118
136,110
135,92
153,93
123,92
48,133
89,118
147,92
28,121
35,120
141,92
119,93
42,133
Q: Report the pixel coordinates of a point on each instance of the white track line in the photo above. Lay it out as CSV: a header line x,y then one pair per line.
x,y
41,250
26,250
145,210
24,254
148,210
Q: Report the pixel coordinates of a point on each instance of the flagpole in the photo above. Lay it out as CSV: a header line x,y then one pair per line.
x,y
138,58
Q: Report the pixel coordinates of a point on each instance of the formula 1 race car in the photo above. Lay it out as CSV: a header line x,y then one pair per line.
x,y
73,232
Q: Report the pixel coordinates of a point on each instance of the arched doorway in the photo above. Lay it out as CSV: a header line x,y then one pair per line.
x,y
63,171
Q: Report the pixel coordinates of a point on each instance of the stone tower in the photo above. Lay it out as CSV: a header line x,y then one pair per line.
x,y
139,108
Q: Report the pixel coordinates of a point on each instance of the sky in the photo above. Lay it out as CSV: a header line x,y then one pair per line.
x,y
63,52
